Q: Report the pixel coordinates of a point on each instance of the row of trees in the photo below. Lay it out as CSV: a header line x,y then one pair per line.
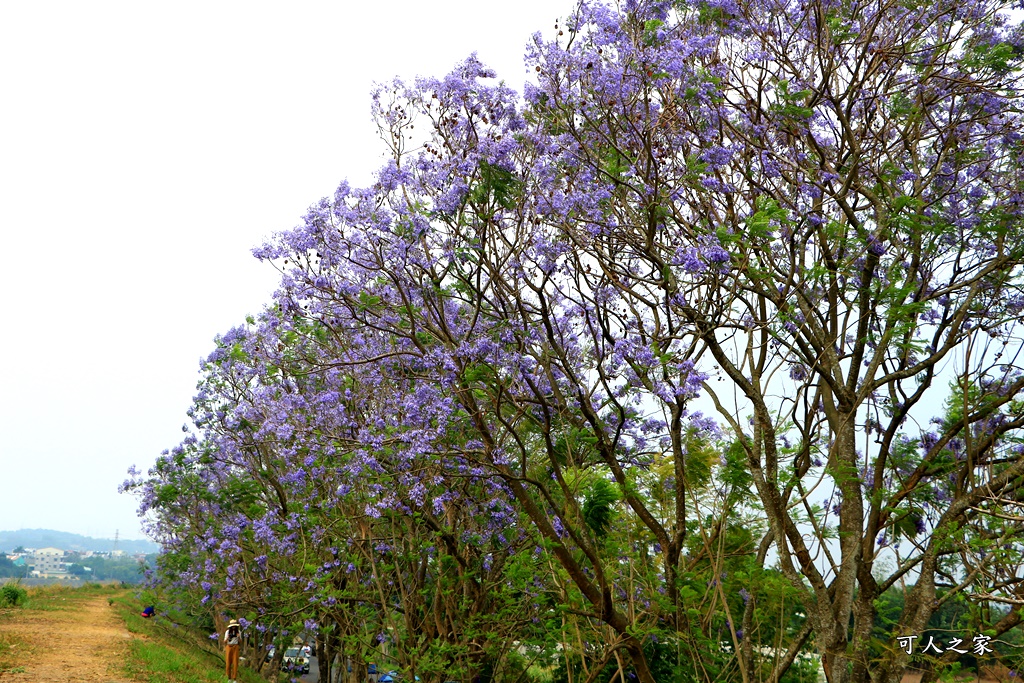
x,y
10,570
126,570
673,367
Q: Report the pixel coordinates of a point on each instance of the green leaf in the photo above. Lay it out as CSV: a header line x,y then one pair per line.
x,y
597,506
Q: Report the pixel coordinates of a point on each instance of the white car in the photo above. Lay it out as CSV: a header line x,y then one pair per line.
x,y
295,660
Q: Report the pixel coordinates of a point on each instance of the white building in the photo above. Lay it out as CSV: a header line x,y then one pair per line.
x,y
48,561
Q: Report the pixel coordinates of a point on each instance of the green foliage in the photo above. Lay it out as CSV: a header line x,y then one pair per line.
x,y
736,473
768,212
127,570
664,657
10,570
597,506
957,617
651,27
497,188
712,15
1000,58
792,105
701,455
614,163
12,595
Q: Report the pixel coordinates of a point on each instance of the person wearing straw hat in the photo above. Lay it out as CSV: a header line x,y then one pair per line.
x,y
232,644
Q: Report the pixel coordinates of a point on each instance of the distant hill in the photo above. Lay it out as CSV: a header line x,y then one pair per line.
x,y
48,538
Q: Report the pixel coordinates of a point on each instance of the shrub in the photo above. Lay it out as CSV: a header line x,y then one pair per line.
x,y
12,595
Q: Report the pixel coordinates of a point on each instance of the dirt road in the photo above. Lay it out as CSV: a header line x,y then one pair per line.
x,y
76,639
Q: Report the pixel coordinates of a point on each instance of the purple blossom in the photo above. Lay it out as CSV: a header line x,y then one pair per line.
x,y
716,254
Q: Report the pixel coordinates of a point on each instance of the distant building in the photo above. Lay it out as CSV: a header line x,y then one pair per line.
x,y
48,562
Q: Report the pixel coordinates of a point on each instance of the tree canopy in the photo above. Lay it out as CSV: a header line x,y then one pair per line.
x,y
674,365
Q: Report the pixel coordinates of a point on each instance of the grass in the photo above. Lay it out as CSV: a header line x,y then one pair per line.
x,y
12,650
540,674
55,598
168,653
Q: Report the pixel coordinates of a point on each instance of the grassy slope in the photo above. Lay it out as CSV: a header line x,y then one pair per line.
x,y
166,652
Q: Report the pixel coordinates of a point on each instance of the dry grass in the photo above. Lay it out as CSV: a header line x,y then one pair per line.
x,y
15,649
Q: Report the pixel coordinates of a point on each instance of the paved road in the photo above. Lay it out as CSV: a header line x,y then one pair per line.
x,y
314,672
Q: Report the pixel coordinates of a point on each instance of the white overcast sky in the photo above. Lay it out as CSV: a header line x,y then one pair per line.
x,y
145,148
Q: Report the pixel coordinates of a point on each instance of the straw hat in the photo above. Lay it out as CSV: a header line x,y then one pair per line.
x,y
233,622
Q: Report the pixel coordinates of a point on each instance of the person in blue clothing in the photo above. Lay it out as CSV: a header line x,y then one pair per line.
x,y
148,612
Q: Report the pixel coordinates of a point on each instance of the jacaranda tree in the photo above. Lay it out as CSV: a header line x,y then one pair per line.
x,y
721,318
280,514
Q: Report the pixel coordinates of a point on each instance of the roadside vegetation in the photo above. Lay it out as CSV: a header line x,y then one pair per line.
x,y
167,651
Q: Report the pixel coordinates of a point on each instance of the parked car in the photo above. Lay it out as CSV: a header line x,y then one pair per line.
x,y
294,660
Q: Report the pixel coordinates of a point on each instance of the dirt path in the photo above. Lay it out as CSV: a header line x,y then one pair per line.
x,y
81,640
